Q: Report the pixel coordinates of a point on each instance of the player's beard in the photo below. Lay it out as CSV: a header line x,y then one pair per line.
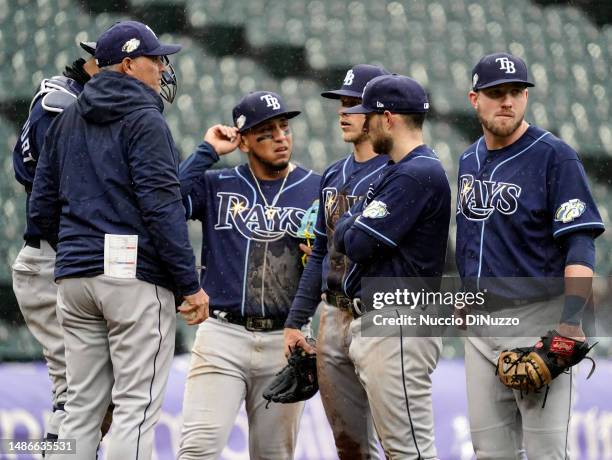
x,y
382,144
498,129
269,165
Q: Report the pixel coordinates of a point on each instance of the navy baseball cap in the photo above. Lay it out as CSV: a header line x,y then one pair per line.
x,y
129,39
257,107
497,69
90,47
395,93
355,80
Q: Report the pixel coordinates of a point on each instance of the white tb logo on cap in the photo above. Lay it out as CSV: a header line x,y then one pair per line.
x,y
506,64
348,80
271,101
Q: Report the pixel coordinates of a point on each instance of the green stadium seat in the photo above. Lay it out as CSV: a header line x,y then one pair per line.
x,y
12,212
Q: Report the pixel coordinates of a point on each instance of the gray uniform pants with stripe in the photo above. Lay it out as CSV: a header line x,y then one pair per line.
x,y
505,424
119,338
36,293
229,366
396,374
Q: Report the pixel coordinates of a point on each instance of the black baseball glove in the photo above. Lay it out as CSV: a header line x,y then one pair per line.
x,y
531,368
297,381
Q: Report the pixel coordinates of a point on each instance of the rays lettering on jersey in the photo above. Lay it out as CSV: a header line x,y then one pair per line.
x,y
478,199
334,209
257,223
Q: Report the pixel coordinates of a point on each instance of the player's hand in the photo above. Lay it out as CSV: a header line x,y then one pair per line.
x,y
224,139
195,307
293,338
306,249
572,331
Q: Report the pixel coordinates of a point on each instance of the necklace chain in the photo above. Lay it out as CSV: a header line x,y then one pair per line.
x,y
280,190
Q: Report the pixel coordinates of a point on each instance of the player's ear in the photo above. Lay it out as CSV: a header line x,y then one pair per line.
x,y
473,97
126,66
388,121
244,144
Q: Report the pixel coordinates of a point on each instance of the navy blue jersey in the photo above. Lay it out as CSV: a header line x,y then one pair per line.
x,y
250,252
401,228
344,183
513,206
32,137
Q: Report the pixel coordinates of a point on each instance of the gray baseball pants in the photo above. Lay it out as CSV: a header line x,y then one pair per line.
x,y
229,366
396,374
36,293
119,338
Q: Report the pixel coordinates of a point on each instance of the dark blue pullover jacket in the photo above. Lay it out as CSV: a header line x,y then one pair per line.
x,y
109,166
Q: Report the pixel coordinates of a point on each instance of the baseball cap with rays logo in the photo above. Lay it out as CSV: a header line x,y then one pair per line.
x,y
355,80
497,69
257,107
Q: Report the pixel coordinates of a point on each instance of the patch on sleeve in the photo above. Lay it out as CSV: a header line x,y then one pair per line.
x,y
570,211
376,210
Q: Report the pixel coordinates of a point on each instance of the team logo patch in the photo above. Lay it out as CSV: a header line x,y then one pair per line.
x,y
376,210
131,45
570,211
475,80
240,121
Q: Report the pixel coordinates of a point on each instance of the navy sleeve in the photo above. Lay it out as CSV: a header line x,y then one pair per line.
x,y
385,219
308,295
154,165
580,249
192,174
344,224
571,202
44,205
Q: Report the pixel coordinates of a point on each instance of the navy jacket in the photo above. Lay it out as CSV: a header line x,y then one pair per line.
x,y
109,166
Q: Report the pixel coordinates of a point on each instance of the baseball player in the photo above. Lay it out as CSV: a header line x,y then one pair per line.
x,y
107,179
33,281
250,217
524,209
344,182
399,230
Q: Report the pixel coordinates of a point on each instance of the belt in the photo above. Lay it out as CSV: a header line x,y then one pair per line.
x,y
33,242
251,323
344,303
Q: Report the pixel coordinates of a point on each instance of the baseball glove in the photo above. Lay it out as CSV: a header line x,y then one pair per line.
x,y
531,368
297,381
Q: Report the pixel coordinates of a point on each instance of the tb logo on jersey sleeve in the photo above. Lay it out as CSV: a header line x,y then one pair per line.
x,y
478,199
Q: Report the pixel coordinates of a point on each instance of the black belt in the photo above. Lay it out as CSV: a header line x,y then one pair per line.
x,y
33,242
251,323
344,303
